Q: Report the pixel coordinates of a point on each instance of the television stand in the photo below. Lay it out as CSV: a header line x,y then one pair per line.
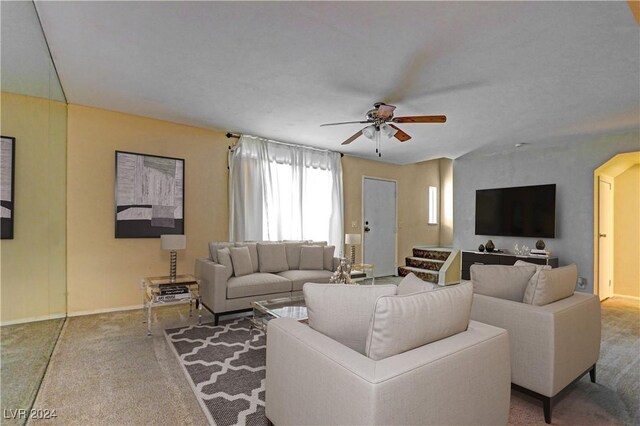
x,y
470,257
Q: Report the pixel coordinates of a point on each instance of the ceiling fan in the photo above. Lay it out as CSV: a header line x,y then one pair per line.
x,y
381,120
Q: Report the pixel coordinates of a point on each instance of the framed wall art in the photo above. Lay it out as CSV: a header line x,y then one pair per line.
x,y
149,195
7,186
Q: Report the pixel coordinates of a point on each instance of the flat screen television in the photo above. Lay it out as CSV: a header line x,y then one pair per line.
x,y
523,211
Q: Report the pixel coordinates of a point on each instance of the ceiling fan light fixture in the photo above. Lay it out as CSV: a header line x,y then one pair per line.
x,y
369,131
388,131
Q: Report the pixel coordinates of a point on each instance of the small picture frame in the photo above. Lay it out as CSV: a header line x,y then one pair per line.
x,y
149,195
7,186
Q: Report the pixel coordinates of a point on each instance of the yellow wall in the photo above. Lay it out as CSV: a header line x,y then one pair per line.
x,y
33,273
412,183
105,272
446,201
627,232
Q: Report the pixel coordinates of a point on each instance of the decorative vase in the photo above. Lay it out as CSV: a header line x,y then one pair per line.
x,y
480,248
342,274
489,246
540,245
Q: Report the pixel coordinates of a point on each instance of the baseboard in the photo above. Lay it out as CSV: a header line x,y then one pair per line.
x,y
104,311
624,296
33,319
73,314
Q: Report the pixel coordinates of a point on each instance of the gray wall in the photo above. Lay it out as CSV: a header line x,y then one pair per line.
x,y
570,166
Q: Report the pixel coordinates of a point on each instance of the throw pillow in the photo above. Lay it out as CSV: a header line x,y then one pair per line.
x,y
533,281
343,312
241,260
224,258
293,253
412,284
213,249
402,323
555,284
311,258
253,251
501,281
329,251
272,257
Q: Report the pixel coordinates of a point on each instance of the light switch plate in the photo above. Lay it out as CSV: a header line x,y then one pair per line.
x,y
354,224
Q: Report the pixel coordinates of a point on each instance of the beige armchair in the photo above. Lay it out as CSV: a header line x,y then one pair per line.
x,y
313,379
551,345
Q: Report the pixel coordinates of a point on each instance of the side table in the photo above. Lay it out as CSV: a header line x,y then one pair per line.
x,y
360,269
152,287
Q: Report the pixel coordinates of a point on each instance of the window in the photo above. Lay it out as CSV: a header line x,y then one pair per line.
x,y
433,205
284,192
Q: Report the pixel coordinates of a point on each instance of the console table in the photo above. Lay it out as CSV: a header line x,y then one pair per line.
x,y
483,258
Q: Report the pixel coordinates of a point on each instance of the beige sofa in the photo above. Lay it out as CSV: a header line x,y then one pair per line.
x,y
551,345
224,292
406,359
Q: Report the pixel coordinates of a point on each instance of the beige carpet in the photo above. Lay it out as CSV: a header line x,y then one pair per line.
x,y
25,353
106,371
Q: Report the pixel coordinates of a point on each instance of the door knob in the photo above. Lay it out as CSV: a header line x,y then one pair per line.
x,y
367,229
602,235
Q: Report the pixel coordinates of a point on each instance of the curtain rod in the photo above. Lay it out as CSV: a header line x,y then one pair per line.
x,y
230,135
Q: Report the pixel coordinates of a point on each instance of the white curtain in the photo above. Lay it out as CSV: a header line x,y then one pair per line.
x,y
284,192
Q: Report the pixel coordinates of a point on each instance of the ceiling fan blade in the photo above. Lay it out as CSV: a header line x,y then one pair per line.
x,y
421,119
344,122
385,111
352,138
400,135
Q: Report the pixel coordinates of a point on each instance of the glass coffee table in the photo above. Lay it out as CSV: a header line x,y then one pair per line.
x,y
286,307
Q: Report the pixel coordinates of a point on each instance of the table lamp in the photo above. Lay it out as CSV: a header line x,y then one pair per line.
x,y
173,242
353,240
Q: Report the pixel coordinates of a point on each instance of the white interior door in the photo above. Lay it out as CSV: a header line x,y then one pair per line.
x,y
379,221
604,240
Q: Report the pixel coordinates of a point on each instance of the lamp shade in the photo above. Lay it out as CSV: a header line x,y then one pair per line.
x,y
388,131
173,242
369,131
353,239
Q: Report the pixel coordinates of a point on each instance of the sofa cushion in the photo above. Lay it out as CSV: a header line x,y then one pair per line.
x,y
257,284
292,249
412,284
501,281
402,323
253,251
555,284
300,278
214,246
329,251
224,258
311,258
343,312
533,281
272,257
241,260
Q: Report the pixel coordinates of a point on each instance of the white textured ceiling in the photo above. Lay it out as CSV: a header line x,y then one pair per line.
x,y
502,72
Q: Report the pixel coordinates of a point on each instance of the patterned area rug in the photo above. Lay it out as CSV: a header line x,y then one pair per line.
x,y
225,365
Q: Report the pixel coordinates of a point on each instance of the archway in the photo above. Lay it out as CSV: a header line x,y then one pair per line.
x,y
616,227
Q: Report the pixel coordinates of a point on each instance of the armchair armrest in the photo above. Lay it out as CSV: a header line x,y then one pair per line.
x,y
312,379
213,284
551,345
